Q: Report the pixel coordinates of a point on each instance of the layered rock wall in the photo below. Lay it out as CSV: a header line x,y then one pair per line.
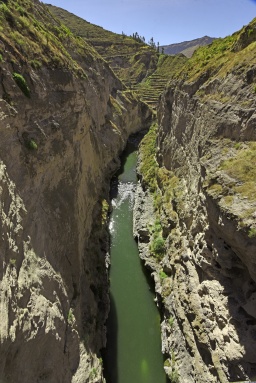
x,y
58,150
206,277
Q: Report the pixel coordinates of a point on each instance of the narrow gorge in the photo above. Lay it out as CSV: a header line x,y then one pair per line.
x,y
133,328
66,114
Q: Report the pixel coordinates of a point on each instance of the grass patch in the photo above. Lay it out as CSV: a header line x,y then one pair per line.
x,y
36,64
32,34
243,169
215,190
235,52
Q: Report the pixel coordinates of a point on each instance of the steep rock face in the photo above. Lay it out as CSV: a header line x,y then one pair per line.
x,y
208,280
58,149
212,260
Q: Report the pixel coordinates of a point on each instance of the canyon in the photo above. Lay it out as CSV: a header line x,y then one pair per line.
x,y
65,117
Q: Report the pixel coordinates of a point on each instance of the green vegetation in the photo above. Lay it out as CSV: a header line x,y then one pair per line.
x,y
235,52
104,211
163,275
71,317
164,187
158,246
32,35
171,321
232,180
35,64
114,48
150,89
215,190
93,373
148,166
22,84
242,168
174,376
252,232
31,144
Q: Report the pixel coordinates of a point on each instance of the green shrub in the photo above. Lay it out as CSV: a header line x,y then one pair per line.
x,y
158,246
162,274
252,232
31,144
171,321
22,84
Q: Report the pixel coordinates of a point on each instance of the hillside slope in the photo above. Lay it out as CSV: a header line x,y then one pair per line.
x,y
132,60
187,47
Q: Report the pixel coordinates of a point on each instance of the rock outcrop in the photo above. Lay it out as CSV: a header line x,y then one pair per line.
x,y
60,143
205,278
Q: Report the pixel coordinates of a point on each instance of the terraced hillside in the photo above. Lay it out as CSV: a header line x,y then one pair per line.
x,y
132,60
151,88
137,64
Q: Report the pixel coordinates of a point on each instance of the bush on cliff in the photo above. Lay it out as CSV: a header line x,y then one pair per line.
x,y
22,84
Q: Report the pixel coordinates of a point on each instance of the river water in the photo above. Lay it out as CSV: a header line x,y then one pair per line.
x,y
133,353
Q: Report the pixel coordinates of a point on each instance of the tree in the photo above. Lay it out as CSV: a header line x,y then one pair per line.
x,y
152,43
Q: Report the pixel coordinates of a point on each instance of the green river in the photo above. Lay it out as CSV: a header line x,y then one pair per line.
x,y
133,353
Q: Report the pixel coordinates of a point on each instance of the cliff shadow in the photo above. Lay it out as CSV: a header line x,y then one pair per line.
x,y
110,353
151,285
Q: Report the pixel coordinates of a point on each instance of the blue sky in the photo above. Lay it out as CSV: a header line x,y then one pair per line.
x,y
167,21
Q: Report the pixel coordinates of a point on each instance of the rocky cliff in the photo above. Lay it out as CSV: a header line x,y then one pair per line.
x,y
195,217
64,121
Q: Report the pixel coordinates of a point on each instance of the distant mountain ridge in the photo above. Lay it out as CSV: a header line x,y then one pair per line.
x,y
187,47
